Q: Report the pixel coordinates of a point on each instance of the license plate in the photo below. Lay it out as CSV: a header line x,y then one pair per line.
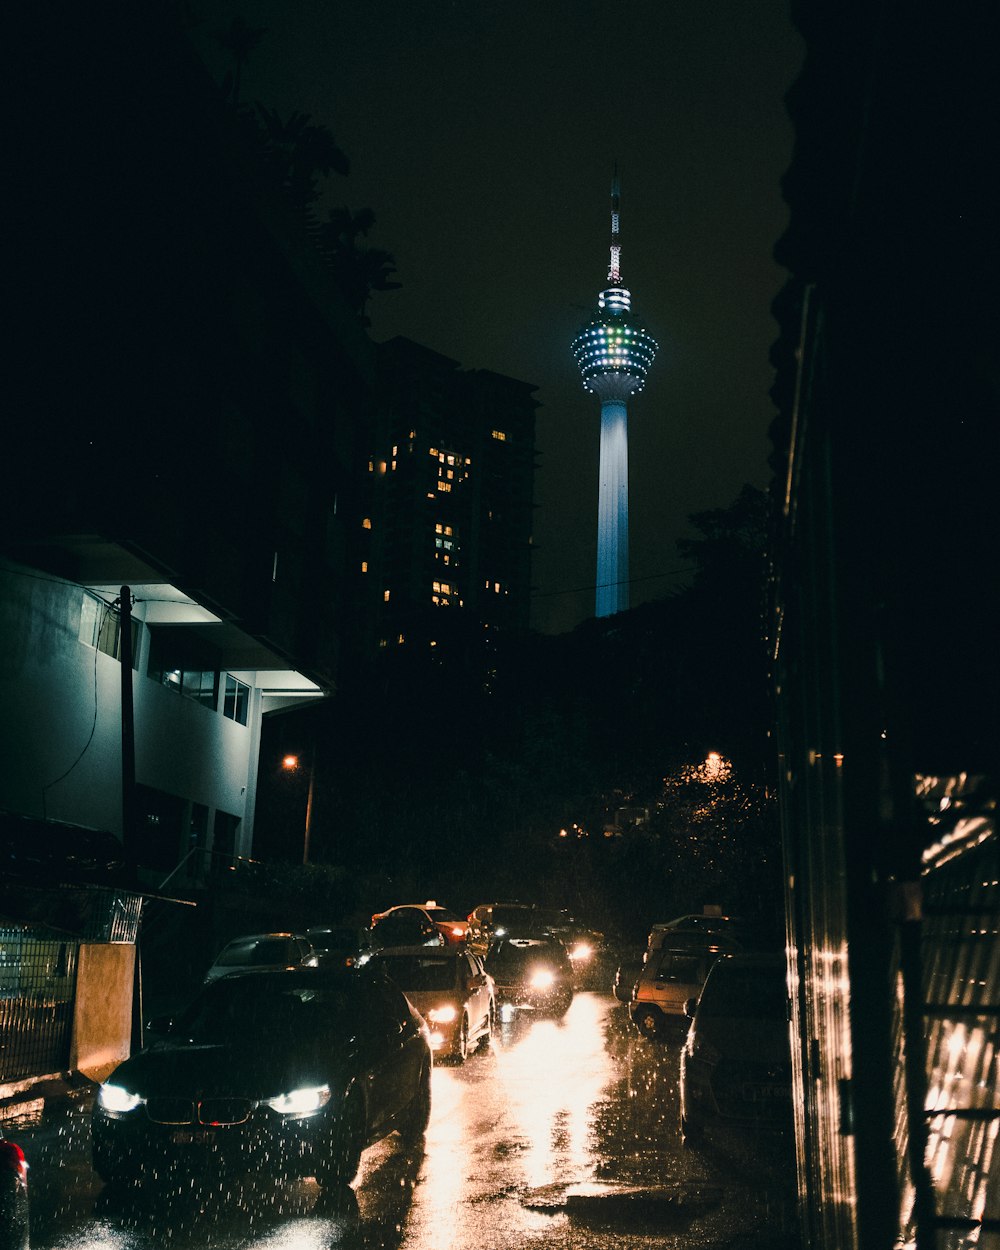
x,y
766,1093
192,1137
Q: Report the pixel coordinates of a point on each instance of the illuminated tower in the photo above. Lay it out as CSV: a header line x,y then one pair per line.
x,y
613,353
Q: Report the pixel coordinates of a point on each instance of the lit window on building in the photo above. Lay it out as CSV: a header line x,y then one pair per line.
x,y
451,474
395,451
385,595
383,642
444,486
381,467
201,686
496,587
366,524
501,436
364,566
434,452
236,702
371,466
451,459
393,466
401,639
438,528
413,434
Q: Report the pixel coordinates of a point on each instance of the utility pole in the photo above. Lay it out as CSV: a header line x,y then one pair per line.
x,y
129,831
309,802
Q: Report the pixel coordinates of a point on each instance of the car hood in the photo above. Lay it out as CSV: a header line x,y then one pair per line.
x,y
231,1070
756,1040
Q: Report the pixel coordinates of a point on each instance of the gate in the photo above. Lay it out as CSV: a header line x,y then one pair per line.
x,y
37,991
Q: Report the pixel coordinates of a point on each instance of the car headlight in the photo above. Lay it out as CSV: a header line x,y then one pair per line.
x,y
581,951
305,1101
442,1015
117,1099
542,979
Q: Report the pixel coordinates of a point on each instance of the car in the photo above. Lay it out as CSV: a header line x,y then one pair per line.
x,y
709,922
582,943
14,1212
531,974
626,977
262,950
671,974
736,1063
297,1070
417,919
489,921
452,991
345,944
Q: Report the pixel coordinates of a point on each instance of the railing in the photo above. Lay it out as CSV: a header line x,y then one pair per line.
x,y
37,991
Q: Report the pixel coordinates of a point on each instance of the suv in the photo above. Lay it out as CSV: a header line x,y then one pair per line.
x,y
736,1065
673,973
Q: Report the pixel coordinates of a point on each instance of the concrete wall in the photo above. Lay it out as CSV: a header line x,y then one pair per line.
x,y
102,1016
60,721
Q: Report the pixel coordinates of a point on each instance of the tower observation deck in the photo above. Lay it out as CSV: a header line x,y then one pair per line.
x,y
613,352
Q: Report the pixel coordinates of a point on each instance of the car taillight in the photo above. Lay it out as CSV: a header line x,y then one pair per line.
x,y
12,1159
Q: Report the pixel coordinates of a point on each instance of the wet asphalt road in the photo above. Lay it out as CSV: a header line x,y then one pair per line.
x,y
563,1134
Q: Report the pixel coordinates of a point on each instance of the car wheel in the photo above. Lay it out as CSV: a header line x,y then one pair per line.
x,y
487,1037
647,1021
462,1045
417,1115
343,1159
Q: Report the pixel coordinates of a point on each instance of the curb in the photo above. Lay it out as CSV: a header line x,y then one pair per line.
x,y
37,1092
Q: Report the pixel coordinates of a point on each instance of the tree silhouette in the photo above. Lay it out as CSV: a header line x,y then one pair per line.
x,y
239,39
299,152
360,270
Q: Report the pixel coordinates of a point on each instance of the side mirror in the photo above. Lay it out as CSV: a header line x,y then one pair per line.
x,y
690,1007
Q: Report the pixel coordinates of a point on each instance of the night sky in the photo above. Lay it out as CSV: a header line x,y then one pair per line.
x,y
483,135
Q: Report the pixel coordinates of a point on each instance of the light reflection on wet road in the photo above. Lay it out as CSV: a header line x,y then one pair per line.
x,y
580,1106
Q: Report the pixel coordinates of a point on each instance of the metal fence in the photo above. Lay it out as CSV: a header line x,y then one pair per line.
x,y
961,963
37,992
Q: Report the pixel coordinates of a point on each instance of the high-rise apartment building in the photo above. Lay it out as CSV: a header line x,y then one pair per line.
x,y
448,529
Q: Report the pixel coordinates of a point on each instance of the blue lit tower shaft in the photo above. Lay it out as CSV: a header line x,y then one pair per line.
x,y
613,353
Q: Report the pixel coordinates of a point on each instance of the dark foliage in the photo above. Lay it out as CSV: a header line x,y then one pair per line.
x,y
458,789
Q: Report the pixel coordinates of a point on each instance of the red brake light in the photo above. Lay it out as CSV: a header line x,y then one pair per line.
x,y
12,1159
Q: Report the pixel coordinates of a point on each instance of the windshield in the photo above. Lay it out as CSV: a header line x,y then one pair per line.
x,y
234,1010
415,972
442,913
333,939
507,916
510,957
263,951
744,993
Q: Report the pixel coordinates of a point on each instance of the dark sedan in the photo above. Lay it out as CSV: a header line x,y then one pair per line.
x,y
531,974
302,1068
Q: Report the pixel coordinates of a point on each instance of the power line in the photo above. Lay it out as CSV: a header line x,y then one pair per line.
x,y
632,581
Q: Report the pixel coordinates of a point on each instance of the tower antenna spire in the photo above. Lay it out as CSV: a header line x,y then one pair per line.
x,y
615,268
613,352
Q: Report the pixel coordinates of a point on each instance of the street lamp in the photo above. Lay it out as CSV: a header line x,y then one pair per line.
x,y
291,763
